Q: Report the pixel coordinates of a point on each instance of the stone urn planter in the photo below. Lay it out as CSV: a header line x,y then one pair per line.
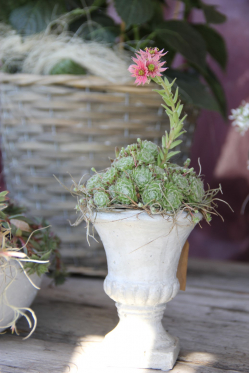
x,y
142,254
16,293
144,207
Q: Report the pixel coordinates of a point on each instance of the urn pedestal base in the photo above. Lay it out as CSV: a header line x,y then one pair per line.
x,y
139,340
143,253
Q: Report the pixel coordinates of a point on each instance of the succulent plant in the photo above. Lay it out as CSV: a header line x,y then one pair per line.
x,y
145,157
152,193
101,199
111,191
172,197
162,188
110,175
125,163
150,147
94,183
142,176
125,191
197,191
158,171
143,172
181,182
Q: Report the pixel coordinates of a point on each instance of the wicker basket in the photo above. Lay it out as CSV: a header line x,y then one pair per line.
x,y
53,125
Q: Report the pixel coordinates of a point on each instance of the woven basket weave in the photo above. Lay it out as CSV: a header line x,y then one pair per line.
x,y
53,125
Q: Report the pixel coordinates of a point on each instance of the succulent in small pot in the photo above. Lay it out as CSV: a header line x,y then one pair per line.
x,y
28,250
144,207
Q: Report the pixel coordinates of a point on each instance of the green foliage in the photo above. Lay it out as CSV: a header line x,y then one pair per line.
x,y
153,194
101,199
109,176
67,66
34,16
3,199
101,28
143,25
216,46
183,38
126,163
172,197
217,90
150,147
142,176
191,90
134,11
125,191
196,189
94,183
211,14
33,238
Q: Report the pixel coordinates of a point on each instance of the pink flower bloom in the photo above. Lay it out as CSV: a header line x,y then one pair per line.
x,y
155,67
139,71
152,53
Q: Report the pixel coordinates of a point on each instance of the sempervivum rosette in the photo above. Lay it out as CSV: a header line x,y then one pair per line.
x,y
142,177
153,194
101,199
125,191
173,197
110,175
197,191
125,163
182,182
94,183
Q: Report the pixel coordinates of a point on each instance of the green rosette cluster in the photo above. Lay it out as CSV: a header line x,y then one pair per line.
x,y
109,176
125,191
173,197
101,199
147,153
153,194
142,176
94,183
136,178
181,182
150,147
125,163
197,191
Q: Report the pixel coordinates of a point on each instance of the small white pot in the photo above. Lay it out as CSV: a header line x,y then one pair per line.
x,y
16,291
142,256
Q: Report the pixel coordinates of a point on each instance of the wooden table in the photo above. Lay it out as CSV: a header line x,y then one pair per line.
x,y
211,319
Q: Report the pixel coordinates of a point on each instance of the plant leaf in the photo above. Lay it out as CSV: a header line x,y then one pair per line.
x,y
35,16
217,90
215,43
192,91
171,154
183,38
212,15
175,143
101,29
134,12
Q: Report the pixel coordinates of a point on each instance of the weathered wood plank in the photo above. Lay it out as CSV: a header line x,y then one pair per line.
x,y
211,319
37,356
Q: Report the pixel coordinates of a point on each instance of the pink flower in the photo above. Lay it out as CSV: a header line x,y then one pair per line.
x,y
139,71
155,67
152,53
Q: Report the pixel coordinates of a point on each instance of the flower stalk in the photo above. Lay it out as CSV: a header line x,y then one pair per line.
x,y
148,67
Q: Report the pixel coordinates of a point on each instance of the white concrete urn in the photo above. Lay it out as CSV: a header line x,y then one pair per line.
x,y
142,256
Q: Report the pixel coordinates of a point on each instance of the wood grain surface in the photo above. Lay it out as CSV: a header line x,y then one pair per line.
x,y
211,318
